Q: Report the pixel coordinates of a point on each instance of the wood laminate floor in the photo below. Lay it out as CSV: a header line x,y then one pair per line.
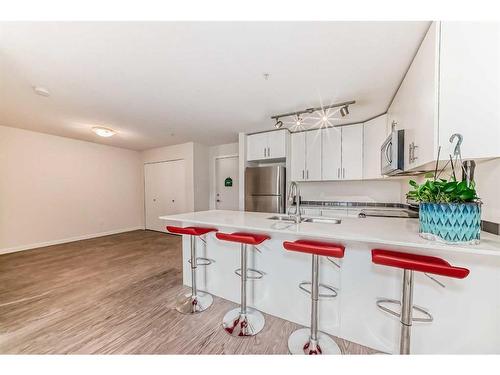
x,y
115,295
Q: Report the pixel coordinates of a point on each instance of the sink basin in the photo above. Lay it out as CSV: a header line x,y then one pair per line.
x,y
287,218
291,219
322,220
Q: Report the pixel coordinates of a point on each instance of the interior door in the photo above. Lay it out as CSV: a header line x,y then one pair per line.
x,y
226,183
298,162
352,152
164,192
331,155
313,155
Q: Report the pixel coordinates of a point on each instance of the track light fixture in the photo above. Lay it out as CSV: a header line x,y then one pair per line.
x,y
314,117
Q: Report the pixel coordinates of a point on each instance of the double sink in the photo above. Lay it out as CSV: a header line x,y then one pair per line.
x,y
291,219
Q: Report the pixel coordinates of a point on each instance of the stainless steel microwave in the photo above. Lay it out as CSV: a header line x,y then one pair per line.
x,y
392,160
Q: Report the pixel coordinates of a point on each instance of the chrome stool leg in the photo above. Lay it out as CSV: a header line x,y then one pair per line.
x,y
243,320
406,312
195,301
310,340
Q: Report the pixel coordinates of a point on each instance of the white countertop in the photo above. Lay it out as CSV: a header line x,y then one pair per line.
x,y
376,230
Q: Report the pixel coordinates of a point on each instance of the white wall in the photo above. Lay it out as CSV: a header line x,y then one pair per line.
x,y
55,189
214,152
201,177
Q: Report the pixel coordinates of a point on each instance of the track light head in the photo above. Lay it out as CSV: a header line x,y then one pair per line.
x,y
278,124
344,111
298,122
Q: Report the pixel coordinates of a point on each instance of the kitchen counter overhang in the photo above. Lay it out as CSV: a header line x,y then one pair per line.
x,y
393,232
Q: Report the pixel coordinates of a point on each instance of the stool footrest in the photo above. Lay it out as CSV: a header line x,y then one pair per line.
x,y
200,261
252,274
333,291
380,304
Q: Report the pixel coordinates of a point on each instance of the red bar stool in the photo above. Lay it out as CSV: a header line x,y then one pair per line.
x,y
410,263
196,301
310,340
243,320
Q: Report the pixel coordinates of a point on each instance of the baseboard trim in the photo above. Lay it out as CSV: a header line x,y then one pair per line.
x,y
66,240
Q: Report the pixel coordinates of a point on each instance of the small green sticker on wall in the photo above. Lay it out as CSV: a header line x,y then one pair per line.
x,y
228,181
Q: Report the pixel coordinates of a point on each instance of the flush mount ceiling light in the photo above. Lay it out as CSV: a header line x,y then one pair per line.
x,y
314,117
103,132
42,91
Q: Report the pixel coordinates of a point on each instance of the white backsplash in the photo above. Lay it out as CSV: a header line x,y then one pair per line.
x,y
353,191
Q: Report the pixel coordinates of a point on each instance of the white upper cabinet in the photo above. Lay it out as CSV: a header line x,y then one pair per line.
x,y
313,155
268,145
414,107
375,133
452,86
257,146
352,152
332,154
342,157
306,156
469,87
298,156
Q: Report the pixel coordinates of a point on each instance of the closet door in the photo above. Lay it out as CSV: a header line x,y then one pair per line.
x,y
164,192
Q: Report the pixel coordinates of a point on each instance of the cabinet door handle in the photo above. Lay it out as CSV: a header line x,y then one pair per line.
x,y
307,174
269,151
338,172
302,174
343,172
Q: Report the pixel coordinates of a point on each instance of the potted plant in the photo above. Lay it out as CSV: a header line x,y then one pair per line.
x,y
450,210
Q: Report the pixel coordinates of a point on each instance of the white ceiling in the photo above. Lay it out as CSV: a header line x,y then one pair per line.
x,y
162,83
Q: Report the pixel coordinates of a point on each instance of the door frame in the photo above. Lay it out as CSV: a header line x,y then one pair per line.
x,y
144,183
213,186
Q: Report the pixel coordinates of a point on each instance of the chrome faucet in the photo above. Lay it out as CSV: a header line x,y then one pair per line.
x,y
294,194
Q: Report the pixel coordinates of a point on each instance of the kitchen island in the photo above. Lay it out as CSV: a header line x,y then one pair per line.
x,y
466,312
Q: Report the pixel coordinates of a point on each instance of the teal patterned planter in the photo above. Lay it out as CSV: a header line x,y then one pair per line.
x,y
451,222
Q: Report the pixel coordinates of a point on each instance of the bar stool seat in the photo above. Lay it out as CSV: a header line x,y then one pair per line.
x,y
311,340
190,231
243,320
243,237
415,262
195,301
410,263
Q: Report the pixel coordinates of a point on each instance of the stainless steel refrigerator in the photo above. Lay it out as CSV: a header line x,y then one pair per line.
x,y
265,189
